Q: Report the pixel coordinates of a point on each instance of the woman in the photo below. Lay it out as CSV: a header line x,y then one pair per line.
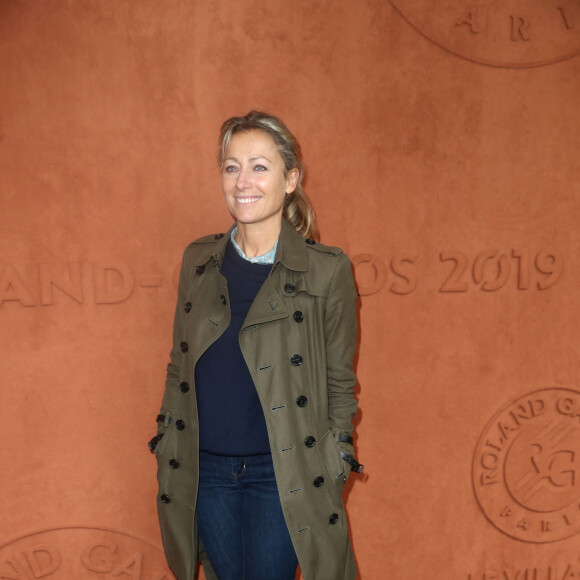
x,y
254,442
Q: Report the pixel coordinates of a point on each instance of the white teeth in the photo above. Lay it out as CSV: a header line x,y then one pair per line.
x,y
247,199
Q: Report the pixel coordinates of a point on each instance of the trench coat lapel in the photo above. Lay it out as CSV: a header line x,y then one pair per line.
x,y
267,306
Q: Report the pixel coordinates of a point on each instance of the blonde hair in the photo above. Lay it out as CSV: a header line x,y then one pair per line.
x,y
298,210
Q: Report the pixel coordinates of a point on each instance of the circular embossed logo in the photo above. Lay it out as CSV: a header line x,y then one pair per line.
x,y
506,33
526,467
81,553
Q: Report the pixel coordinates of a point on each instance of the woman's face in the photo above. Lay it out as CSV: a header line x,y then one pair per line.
x,y
253,180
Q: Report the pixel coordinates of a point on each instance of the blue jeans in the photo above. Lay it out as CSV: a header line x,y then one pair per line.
x,y
240,519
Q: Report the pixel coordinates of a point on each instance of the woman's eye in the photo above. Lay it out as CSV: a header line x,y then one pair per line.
x,y
230,168
260,168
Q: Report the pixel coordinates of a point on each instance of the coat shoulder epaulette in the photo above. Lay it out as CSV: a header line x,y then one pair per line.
x,y
211,239
313,245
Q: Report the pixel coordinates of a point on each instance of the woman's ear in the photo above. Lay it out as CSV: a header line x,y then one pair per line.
x,y
292,180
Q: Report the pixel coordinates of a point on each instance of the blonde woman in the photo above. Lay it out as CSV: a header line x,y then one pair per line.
x,y
254,443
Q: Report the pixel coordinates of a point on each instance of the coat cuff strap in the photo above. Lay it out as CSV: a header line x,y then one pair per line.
x,y
164,419
354,464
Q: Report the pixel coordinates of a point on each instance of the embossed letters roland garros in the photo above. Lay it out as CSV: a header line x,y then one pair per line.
x,y
501,33
526,467
71,553
401,273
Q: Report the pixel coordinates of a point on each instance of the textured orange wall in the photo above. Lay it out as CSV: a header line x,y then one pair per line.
x,y
442,143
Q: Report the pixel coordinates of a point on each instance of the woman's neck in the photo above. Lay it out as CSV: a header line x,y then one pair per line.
x,y
256,239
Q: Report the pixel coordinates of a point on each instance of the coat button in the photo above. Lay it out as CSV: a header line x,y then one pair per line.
x,y
310,441
219,236
200,270
180,424
310,241
223,299
165,498
187,307
174,464
184,387
302,401
298,316
184,346
296,360
333,519
317,482
289,288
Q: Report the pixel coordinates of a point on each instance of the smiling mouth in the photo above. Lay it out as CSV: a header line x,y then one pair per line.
x,y
246,199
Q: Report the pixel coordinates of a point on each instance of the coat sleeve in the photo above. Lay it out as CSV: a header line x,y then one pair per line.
x,y
340,329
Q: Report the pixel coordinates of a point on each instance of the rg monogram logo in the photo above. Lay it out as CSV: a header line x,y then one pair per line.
x,y
526,467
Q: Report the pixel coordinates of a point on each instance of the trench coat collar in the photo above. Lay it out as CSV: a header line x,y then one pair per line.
x,y
216,247
291,249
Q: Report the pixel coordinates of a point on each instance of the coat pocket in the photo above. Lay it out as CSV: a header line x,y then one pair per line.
x,y
333,462
161,443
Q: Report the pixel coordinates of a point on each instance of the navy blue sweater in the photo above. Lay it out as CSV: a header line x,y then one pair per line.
x,y
231,420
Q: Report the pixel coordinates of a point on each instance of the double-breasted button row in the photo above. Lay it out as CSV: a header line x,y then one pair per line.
x,y
223,300
296,360
184,387
199,270
174,464
289,288
333,519
165,498
298,316
184,347
310,441
187,307
180,424
319,481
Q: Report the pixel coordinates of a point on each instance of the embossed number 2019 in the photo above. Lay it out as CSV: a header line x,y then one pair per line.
x,y
491,270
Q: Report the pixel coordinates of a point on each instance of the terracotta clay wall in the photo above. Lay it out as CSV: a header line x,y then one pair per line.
x,y
442,143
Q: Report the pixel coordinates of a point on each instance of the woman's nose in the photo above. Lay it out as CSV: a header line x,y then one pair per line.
x,y
244,180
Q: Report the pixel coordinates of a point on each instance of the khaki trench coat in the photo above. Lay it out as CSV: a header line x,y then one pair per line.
x,y
298,341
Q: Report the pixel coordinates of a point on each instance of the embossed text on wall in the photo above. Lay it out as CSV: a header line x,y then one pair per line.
x,y
511,34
